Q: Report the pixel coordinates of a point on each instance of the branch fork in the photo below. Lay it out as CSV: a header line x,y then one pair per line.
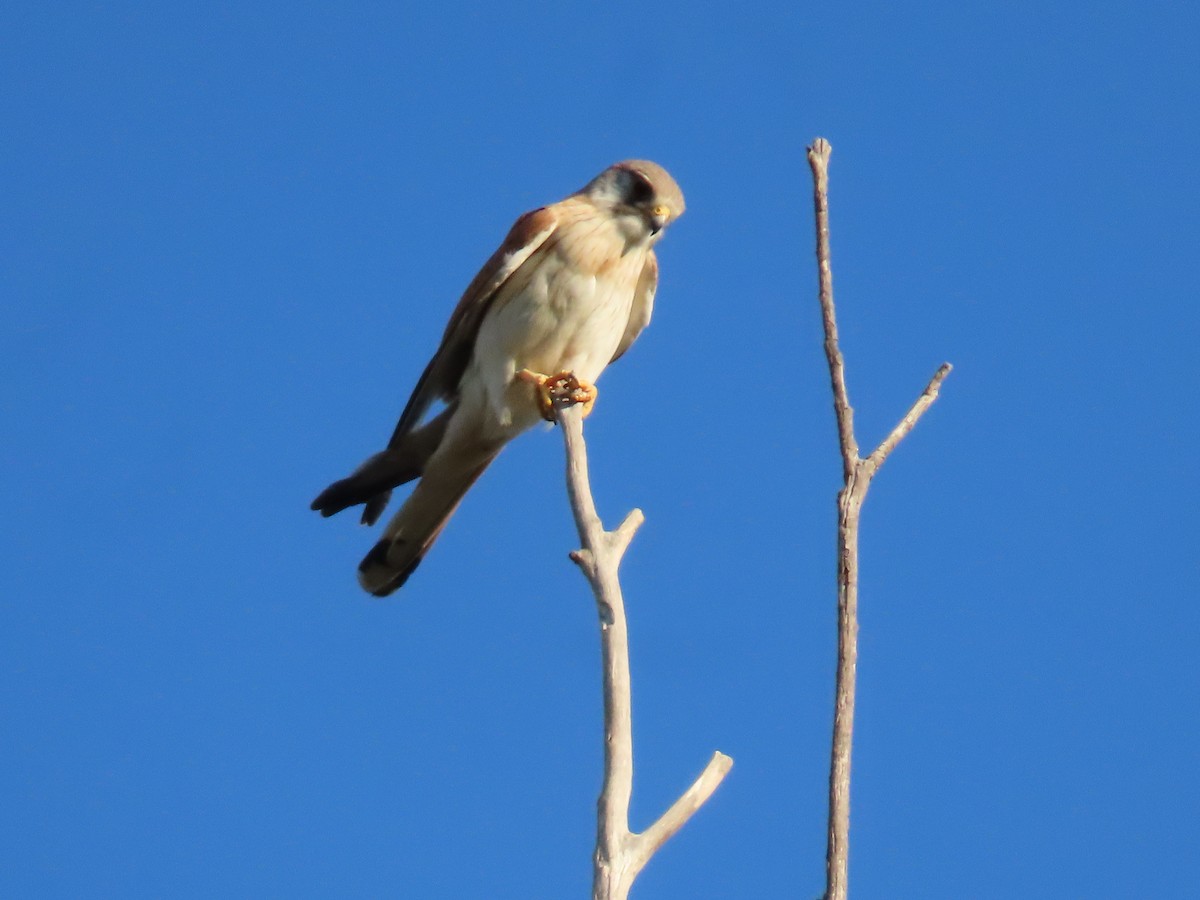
x,y
620,853
857,473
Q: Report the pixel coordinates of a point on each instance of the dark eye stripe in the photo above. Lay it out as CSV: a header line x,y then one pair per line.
x,y
640,190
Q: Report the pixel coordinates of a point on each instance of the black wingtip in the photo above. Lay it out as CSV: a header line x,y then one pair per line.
x,y
329,502
319,506
375,507
342,495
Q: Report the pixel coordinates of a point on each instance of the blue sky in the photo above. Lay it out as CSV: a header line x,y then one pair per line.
x,y
231,235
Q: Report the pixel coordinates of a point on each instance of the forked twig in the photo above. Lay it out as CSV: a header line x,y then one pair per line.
x,y
857,475
620,854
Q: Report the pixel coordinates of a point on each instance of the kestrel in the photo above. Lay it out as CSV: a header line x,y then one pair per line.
x,y
569,290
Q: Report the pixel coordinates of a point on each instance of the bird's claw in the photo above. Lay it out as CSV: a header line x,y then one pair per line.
x,y
559,391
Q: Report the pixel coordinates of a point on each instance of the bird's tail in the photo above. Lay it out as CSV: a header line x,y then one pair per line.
x,y
417,525
371,483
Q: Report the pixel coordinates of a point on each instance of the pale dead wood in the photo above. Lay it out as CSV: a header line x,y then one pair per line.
x,y
857,475
905,425
620,854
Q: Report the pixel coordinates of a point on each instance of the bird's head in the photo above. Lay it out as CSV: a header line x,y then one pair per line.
x,y
641,194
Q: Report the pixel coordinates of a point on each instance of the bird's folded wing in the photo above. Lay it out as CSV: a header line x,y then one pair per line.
x,y
440,379
643,305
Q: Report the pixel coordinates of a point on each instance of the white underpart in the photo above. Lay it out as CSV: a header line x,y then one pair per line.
x,y
548,318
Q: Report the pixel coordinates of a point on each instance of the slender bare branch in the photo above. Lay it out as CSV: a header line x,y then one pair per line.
x,y
818,160
625,532
683,808
905,425
857,475
620,854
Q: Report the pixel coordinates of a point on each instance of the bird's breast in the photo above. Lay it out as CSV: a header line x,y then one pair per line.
x,y
566,309
580,315
569,311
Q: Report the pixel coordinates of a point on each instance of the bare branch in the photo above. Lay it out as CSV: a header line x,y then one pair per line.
x,y
579,488
625,532
905,425
620,854
857,475
818,161
683,808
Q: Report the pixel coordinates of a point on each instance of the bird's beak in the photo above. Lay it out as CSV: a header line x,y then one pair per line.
x,y
658,218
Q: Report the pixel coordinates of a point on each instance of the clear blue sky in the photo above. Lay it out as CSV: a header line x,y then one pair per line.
x,y
230,236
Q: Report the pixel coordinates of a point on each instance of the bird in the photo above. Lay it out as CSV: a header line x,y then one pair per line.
x,y
567,292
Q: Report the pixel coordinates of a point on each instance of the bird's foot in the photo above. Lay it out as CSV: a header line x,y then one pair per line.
x,y
561,390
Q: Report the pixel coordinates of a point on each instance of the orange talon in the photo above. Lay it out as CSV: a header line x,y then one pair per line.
x,y
563,389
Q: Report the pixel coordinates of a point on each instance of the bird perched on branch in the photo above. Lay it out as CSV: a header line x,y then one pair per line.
x,y
568,291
